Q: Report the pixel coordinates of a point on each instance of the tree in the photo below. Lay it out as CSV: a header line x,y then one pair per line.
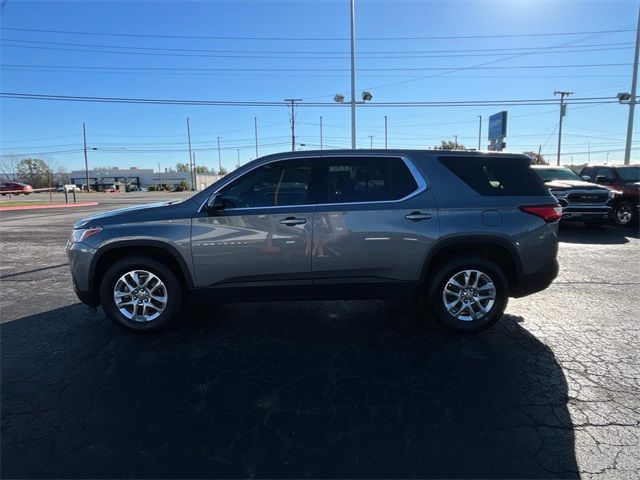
x,y
9,167
182,167
222,172
34,171
537,159
449,145
202,169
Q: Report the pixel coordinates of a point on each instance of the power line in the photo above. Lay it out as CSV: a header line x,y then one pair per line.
x,y
218,37
257,70
240,103
238,54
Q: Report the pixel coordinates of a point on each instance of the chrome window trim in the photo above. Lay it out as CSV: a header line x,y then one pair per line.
x,y
419,179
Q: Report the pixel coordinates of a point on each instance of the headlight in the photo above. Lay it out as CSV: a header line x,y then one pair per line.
x,y
81,234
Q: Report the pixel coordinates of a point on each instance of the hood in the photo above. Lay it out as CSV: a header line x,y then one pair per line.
x,y
577,184
137,213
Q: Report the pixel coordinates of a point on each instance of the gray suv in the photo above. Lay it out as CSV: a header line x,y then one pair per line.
x,y
459,232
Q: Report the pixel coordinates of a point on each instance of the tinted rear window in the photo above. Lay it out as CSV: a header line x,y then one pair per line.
x,y
496,175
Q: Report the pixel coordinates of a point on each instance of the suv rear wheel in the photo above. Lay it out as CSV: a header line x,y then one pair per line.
x,y
140,293
468,293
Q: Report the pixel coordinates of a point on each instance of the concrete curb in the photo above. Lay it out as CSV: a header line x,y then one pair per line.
x,y
42,207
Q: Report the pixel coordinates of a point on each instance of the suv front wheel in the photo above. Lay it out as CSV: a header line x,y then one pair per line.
x,y
468,293
140,293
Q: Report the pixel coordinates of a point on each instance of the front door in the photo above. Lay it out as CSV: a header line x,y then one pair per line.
x,y
262,236
373,226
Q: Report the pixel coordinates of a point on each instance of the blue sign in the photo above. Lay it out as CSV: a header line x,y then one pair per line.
x,y
498,126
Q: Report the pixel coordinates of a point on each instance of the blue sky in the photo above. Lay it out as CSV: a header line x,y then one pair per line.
x,y
304,48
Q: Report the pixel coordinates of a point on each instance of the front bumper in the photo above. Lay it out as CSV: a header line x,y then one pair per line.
x,y
587,212
80,256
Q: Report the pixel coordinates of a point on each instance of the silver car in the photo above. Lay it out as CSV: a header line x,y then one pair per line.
x,y
459,232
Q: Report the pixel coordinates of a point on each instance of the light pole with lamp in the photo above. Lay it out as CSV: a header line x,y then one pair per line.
x,y
366,97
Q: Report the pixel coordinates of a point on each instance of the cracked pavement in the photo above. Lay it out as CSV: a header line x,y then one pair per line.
x,y
320,389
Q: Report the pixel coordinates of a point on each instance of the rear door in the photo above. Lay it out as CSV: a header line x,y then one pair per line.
x,y
373,225
261,237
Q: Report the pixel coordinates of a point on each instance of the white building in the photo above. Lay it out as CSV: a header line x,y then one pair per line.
x,y
127,178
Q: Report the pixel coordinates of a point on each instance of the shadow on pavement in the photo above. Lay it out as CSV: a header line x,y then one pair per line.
x,y
600,235
333,389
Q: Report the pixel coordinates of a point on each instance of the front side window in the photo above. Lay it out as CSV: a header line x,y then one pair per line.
x,y
355,180
271,185
607,173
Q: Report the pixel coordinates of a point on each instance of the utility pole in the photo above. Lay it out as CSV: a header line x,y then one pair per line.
x,y
371,142
194,176
255,127
193,187
159,177
86,163
632,99
293,101
238,150
219,158
588,153
539,150
353,74
480,133
563,112
320,132
385,132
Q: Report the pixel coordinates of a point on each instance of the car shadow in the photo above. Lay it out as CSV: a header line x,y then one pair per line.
x,y
599,235
306,389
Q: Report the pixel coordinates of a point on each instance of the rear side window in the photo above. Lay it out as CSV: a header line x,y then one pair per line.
x,y
368,180
496,175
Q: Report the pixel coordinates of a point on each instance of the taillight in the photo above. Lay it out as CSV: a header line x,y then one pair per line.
x,y
549,213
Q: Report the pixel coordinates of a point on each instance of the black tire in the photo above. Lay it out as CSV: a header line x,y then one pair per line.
x,y
454,266
625,214
174,292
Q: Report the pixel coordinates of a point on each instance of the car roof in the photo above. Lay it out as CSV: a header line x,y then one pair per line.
x,y
390,152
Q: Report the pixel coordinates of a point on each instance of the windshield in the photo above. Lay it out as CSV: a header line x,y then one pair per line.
x,y
629,174
551,174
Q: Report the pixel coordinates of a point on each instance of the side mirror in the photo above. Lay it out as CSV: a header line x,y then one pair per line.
x,y
214,203
586,178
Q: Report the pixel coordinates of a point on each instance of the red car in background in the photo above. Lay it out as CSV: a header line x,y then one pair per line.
x,y
16,188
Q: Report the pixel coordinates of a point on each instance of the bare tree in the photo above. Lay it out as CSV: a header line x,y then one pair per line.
x,y
9,167
537,159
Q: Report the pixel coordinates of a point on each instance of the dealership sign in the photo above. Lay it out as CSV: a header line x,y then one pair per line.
x,y
497,131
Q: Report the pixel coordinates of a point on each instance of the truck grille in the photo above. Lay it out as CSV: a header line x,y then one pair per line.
x,y
587,198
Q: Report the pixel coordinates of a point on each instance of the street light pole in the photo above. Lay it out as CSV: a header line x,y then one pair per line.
x,y
238,150
353,74
632,99
255,127
480,133
219,158
385,132
562,114
86,163
371,142
193,187
321,132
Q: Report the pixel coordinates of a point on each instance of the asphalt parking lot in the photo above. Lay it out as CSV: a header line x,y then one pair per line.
x,y
319,389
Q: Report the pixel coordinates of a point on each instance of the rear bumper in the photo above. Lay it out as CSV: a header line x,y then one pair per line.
x,y
536,281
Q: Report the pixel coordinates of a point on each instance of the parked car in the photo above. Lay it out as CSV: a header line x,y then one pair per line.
x,y
580,200
625,179
15,188
68,188
459,231
144,189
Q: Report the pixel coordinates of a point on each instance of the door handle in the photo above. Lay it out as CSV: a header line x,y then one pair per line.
x,y
292,221
417,216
